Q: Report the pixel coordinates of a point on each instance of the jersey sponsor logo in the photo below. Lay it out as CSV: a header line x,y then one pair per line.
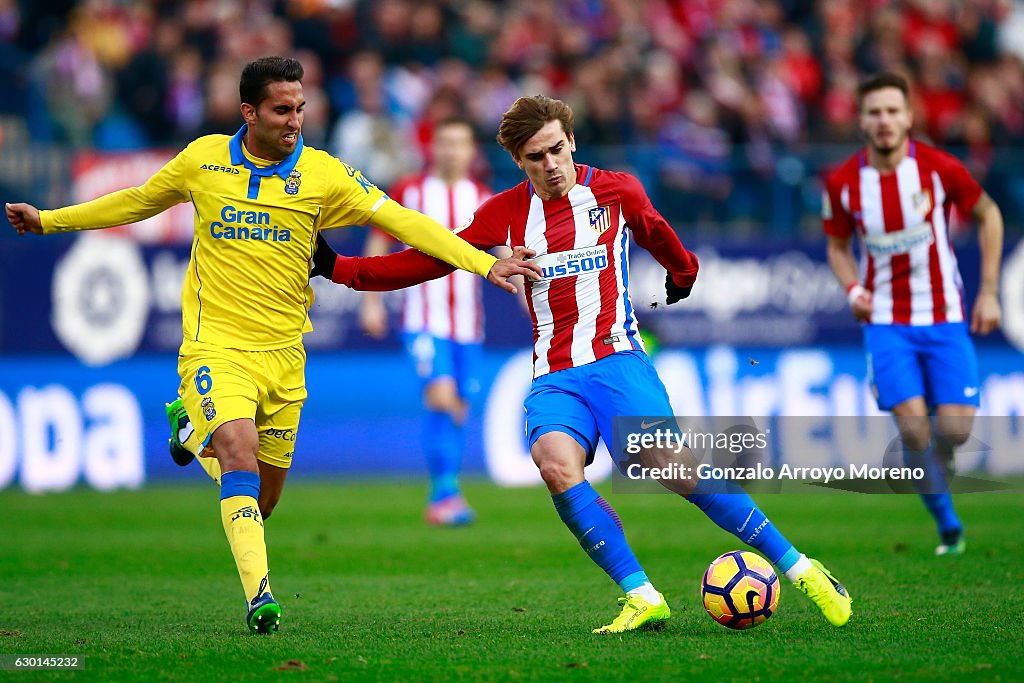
x,y
283,434
291,186
247,225
600,218
574,262
901,241
223,169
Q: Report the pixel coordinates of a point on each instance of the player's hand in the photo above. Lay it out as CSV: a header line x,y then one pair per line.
x,y
24,218
987,314
323,259
861,303
516,264
674,291
373,317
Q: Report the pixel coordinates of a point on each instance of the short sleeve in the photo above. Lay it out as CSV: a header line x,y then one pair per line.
x,y
835,219
961,188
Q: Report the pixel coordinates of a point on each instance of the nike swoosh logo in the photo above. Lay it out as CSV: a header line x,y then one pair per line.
x,y
644,424
970,391
745,522
587,532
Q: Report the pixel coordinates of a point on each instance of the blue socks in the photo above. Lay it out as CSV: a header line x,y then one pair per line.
x,y
442,443
599,531
934,493
732,509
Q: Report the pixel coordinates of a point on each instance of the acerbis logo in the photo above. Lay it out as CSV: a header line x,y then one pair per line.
x,y
223,169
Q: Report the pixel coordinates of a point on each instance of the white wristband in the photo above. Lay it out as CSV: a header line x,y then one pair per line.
x,y
854,293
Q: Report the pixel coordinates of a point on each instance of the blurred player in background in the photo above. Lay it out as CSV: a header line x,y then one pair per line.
x,y
442,320
896,194
260,197
589,362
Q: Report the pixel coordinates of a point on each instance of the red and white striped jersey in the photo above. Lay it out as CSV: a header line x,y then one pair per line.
x,y
448,308
581,310
902,217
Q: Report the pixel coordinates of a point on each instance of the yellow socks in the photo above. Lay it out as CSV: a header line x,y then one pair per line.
x,y
243,525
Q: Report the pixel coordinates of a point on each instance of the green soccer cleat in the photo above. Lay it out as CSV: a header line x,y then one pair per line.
x,y
637,613
181,430
829,595
952,547
264,614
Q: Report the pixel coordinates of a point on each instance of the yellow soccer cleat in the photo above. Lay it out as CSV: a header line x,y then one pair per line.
x,y
637,613
829,595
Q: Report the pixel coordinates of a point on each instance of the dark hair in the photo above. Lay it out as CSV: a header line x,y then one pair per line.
x,y
259,73
880,81
526,116
456,120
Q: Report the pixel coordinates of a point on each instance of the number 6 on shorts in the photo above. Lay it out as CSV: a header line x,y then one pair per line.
x,y
203,380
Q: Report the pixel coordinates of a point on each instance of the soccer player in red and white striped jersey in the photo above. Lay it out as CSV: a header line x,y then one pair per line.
x,y
896,195
442,320
589,362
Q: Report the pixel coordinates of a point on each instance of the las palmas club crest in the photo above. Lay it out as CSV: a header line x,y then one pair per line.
x,y
600,218
291,185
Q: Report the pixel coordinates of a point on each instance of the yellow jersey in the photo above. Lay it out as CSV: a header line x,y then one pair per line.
x,y
256,223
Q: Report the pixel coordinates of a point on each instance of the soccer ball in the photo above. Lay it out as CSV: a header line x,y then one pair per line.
x,y
740,589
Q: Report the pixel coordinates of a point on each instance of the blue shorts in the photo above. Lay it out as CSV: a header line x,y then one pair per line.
x,y
583,401
936,362
434,358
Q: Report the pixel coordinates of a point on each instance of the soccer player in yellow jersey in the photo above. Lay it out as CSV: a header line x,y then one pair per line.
x,y
260,199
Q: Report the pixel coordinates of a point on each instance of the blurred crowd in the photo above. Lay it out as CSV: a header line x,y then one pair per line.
x,y
704,86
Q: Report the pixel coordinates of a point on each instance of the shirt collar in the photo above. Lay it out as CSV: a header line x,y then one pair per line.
x,y
281,168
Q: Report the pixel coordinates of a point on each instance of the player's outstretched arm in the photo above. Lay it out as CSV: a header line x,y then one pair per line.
x,y
405,268
24,218
131,205
986,315
458,250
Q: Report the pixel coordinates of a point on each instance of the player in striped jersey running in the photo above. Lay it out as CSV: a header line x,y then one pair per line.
x,y
896,194
442,320
589,363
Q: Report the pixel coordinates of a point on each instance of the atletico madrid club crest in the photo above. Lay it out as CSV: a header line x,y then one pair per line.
x,y
600,218
291,185
922,202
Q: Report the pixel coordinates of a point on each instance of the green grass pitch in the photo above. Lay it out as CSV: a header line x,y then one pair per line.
x,y
142,584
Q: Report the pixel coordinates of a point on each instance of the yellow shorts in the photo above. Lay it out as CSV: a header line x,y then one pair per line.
x,y
268,387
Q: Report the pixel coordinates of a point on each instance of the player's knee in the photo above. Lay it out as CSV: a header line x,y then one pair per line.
x,y
558,474
954,429
236,449
442,396
916,439
953,434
